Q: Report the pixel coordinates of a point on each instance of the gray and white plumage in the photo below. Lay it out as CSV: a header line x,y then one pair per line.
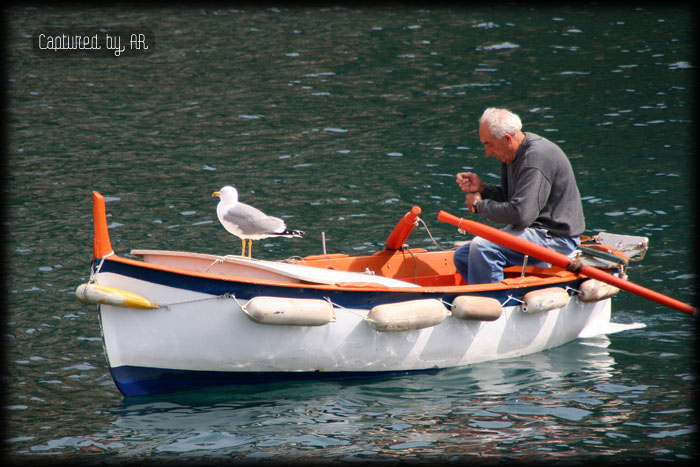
x,y
245,221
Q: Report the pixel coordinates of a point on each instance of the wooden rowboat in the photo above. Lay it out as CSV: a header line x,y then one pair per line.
x,y
174,320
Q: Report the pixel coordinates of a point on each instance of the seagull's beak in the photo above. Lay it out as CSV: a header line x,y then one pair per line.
x,y
215,194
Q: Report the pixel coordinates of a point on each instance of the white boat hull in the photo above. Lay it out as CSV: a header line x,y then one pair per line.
x,y
177,320
198,332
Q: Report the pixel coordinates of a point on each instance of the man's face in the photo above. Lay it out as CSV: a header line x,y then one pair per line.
x,y
498,148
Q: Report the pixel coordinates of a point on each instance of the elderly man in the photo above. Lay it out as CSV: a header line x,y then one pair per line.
x,y
537,198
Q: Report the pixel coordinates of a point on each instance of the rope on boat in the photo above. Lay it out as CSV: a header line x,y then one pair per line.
x,y
415,263
575,265
215,297
510,297
405,247
219,260
96,271
418,219
335,305
233,296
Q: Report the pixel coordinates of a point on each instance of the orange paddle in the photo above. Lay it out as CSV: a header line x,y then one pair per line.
x,y
545,254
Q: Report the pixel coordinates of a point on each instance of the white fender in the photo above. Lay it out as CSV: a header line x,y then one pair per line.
x,y
407,316
593,290
478,308
289,311
545,300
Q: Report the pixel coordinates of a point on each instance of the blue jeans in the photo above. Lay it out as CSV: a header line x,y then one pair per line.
x,y
482,261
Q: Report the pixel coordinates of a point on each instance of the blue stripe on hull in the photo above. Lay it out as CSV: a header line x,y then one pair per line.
x,y
142,381
345,298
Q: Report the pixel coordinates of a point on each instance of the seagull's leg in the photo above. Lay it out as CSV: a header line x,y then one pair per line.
x,y
243,247
250,247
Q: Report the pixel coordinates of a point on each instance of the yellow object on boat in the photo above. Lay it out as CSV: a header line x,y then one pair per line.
x,y
593,290
92,294
545,300
476,308
289,311
407,316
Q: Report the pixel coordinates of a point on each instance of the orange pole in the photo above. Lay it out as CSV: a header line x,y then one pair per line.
x,y
403,229
540,252
101,245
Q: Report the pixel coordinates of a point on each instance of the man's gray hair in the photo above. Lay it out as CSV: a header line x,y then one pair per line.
x,y
501,122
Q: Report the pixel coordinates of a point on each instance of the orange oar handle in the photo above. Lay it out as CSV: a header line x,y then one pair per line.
x,y
540,252
403,229
503,238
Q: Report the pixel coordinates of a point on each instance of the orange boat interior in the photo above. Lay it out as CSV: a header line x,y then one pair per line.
x,y
430,269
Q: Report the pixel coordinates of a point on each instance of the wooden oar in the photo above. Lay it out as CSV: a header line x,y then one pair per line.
x,y
545,254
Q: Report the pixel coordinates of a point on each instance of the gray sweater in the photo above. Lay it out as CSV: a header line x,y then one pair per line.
x,y
538,189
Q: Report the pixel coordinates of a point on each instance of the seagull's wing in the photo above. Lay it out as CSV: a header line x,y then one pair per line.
x,y
251,222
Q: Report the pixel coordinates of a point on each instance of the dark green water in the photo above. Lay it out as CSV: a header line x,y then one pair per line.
x,y
339,120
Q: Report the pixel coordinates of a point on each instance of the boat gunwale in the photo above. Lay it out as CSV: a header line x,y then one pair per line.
x,y
506,284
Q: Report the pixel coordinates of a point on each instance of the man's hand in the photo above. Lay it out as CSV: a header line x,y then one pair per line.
x,y
472,198
470,182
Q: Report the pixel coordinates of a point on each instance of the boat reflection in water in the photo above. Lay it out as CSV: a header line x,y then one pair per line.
x,y
529,404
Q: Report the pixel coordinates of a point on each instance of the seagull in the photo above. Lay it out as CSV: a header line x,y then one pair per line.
x,y
247,222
